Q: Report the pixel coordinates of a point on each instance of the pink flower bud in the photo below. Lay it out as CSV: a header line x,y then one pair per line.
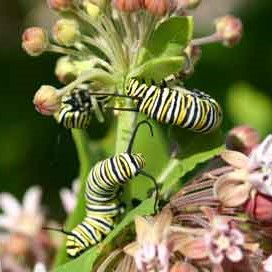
x,y
128,5
66,32
65,70
157,7
46,100
259,207
243,139
34,41
229,29
60,5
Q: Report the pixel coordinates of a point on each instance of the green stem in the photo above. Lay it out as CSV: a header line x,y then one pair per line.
x,y
88,75
100,45
81,140
64,51
147,26
125,125
206,40
115,40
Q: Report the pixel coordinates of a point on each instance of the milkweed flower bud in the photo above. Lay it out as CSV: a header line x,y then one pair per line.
x,y
186,4
157,7
229,29
60,5
46,100
65,70
243,139
92,9
259,207
128,5
35,41
100,3
66,32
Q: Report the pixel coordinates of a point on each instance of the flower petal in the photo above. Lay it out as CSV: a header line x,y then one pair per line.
x,y
216,257
75,186
149,252
7,222
262,154
262,182
142,226
234,254
9,204
267,264
39,267
68,200
32,200
131,249
163,255
161,225
193,248
232,189
235,158
139,260
237,237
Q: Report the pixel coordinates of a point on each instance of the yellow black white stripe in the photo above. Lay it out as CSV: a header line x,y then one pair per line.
x,y
102,204
194,110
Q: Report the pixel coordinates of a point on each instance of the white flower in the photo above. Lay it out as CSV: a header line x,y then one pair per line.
x,y
151,251
260,160
25,219
68,197
39,267
267,264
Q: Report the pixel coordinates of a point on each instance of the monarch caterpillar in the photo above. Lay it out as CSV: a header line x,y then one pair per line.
x,y
102,204
77,107
174,105
194,110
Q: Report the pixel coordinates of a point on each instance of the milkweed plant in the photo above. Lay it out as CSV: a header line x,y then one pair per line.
x,y
210,208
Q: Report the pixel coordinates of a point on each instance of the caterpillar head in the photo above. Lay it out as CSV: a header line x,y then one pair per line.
x,y
140,161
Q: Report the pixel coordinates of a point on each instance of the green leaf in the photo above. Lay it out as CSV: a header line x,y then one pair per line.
x,y
86,159
159,68
248,105
169,38
86,261
194,149
150,147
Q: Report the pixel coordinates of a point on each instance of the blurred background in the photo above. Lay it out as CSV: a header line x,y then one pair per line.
x,y
34,150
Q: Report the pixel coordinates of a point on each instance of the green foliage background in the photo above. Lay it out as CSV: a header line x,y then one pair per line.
x,y
34,150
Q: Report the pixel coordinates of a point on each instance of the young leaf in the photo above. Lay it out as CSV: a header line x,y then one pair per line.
x,y
169,39
159,68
